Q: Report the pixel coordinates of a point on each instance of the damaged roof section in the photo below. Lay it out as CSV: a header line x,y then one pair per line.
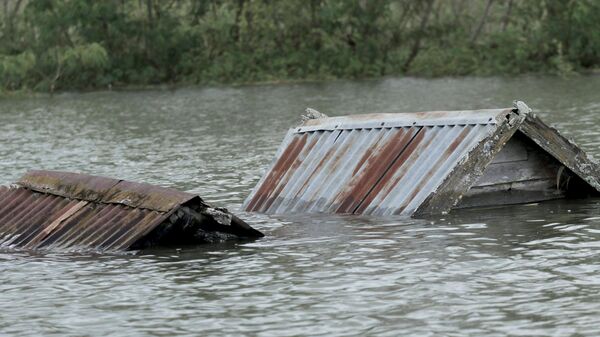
x,y
406,163
70,211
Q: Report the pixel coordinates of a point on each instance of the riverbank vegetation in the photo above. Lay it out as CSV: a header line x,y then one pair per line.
x,y
48,45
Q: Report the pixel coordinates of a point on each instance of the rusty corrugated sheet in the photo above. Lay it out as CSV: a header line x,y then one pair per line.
x,y
104,190
378,164
59,210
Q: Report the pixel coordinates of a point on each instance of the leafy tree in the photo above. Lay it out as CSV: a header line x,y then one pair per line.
x,y
80,44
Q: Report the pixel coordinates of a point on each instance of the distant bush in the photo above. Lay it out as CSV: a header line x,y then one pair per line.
x,y
51,45
15,69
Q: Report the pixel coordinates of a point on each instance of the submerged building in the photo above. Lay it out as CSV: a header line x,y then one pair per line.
x,y
53,210
422,163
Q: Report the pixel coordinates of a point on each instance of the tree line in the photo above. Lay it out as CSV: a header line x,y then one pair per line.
x,y
48,45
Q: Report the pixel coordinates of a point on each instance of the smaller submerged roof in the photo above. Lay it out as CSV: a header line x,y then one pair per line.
x,y
404,163
72,211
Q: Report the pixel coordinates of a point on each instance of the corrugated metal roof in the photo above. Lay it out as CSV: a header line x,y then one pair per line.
x,y
378,164
62,210
70,211
34,220
431,118
104,190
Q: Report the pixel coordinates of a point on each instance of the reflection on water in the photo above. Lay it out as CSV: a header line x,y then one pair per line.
x,y
521,270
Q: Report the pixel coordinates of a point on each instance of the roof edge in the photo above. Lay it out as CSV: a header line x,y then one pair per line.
x,y
565,150
67,184
387,120
104,190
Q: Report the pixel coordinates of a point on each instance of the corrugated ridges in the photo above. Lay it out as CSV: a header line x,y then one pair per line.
x,y
419,173
431,118
351,168
34,220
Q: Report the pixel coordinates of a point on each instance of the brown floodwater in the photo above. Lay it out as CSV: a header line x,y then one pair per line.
x,y
527,270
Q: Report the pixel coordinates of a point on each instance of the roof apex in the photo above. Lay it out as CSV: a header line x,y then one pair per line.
x,y
104,190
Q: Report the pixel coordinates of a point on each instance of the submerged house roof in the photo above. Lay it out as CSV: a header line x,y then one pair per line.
x,y
71,211
417,163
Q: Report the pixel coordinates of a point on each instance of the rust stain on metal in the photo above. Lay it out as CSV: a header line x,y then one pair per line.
x,y
401,166
69,211
325,158
104,190
54,224
376,167
431,171
384,164
364,165
274,176
33,220
283,179
329,167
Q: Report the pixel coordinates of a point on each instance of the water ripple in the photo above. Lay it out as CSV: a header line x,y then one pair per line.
x,y
528,270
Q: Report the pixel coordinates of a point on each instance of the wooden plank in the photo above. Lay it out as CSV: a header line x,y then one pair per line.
x,y
514,150
55,224
563,149
539,165
517,171
467,172
512,193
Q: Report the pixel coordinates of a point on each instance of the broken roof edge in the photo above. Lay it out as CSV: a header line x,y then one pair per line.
x,y
104,190
565,150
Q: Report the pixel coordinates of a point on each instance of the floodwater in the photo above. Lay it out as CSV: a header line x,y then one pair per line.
x,y
529,270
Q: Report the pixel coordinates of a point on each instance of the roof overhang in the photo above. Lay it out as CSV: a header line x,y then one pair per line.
x,y
562,149
104,190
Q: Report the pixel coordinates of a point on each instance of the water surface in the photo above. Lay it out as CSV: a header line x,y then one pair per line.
x,y
528,270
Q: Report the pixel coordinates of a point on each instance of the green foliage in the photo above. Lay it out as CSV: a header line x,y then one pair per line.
x,y
81,44
88,56
14,69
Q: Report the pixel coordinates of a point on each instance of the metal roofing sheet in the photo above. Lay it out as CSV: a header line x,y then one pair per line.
x,y
61,210
377,164
432,118
35,220
147,196
104,190
67,184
